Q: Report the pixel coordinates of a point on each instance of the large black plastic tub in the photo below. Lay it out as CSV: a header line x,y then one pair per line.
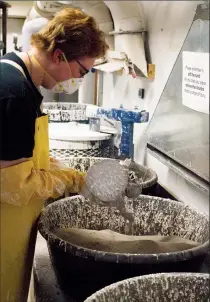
x,y
81,271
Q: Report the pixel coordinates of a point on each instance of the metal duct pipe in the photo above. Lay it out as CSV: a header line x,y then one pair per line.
x,y
129,23
29,28
87,89
101,13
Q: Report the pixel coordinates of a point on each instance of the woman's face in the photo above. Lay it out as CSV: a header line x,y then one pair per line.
x,y
81,67
64,70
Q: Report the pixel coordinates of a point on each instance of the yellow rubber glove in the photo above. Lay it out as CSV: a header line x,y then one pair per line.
x,y
55,163
21,182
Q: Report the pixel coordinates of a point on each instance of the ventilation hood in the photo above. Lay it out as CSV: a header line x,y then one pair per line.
x,y
129,25
178,132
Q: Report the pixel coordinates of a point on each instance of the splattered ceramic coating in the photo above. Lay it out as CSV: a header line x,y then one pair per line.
x,y
148,176
63,112
185,287
152,216
107,180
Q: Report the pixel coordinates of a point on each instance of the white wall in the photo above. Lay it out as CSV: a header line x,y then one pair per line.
x,y
16,16
19,9
168,23
13,26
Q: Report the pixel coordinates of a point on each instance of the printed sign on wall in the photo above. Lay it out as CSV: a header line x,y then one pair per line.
x,y
195,81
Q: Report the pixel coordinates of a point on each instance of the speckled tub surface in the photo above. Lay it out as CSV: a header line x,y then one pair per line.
x,y
92,270
157,288
152,216
149,177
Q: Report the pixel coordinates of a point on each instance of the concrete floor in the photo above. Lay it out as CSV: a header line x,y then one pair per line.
x,y
44,286
31,295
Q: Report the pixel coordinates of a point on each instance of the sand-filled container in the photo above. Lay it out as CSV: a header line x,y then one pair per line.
x,y
82,271
184,287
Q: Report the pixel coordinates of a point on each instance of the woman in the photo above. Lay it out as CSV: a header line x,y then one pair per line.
x,y
61,54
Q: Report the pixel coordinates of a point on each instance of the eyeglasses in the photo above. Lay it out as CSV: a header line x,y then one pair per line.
x,y
83,67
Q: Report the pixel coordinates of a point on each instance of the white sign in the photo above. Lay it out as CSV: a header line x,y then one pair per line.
x,y
195,81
